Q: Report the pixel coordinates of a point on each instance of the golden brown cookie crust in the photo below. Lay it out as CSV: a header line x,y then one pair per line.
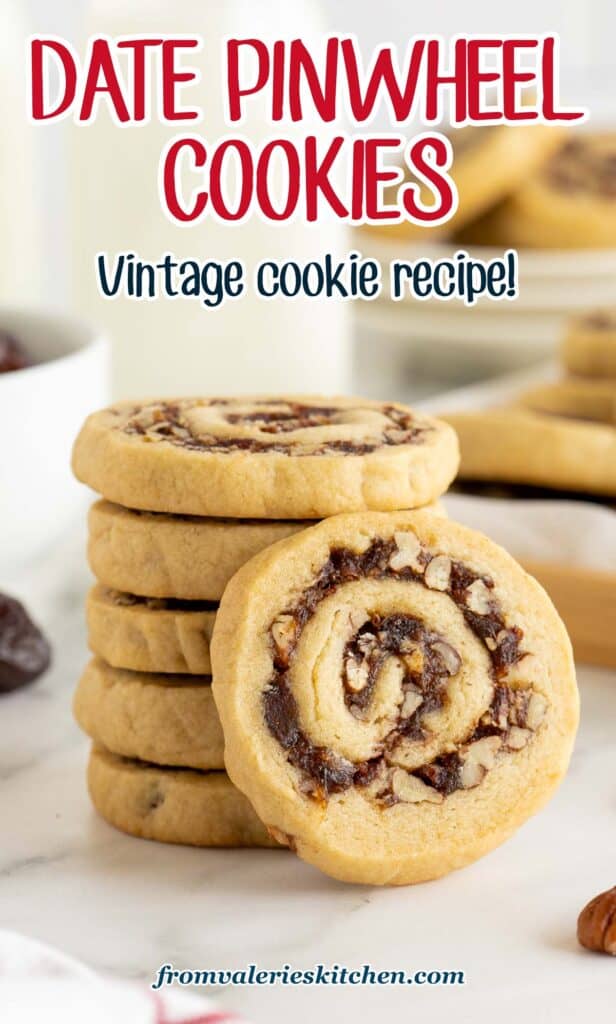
x,y
574,398
589,345
569,204
489,163
172,805
166,719
149,635
397,695
187,557
519,446
310,457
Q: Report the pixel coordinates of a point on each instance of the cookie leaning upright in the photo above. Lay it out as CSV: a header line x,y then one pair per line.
x,y
271,458
397,695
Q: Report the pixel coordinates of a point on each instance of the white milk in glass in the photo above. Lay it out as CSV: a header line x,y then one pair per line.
x,y
175,346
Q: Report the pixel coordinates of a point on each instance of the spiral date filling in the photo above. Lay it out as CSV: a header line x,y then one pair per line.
x,y
426,658
428,664
168,421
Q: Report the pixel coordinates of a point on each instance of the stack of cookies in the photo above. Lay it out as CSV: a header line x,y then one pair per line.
x,y
560,436
191,490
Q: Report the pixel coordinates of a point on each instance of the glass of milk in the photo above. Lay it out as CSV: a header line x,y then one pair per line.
x,y
20,209
176,346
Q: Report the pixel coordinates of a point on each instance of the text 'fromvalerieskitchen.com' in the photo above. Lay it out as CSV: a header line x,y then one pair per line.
x,y
318,974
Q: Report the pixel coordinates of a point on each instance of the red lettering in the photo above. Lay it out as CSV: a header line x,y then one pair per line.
x,y
435,79
549,73
374,175
245,177
172,77
264,177
102,63
476,78
317,178
278,81
430,172
235,91
302,65
171,176
138,46
384,76
39,80
358,169
511,77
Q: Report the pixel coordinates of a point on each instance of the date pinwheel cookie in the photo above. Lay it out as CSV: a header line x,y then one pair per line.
x,y
569,204
272,458
589,346
150,634
574,398
522,446
165,719
489,162
185,557
172,805
397,696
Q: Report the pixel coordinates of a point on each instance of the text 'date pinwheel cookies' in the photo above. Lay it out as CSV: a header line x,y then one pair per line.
x,y
274,458
397,696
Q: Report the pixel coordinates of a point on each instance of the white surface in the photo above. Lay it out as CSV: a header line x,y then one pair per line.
x,y
126,906
41,410
40,982
577,533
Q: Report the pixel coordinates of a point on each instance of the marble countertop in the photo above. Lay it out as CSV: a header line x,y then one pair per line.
x,y
126,906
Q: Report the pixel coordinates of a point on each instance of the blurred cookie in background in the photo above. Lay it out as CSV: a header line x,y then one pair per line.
x,y
488,164
570,203
589,344
516,446
575,398
558,436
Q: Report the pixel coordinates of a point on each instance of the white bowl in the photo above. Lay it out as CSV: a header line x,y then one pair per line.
x,y
41,410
